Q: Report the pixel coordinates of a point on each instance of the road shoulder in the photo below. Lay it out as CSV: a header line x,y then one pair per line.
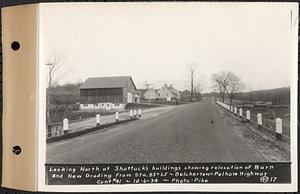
x,y
264,144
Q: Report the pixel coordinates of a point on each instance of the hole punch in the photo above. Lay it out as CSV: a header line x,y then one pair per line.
x,y
16,150
15,45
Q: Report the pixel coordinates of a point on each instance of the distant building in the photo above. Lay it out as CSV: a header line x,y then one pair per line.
x,y
150,94
168,93
108,93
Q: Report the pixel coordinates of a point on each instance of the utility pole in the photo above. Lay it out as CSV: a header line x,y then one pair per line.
x,y
147,86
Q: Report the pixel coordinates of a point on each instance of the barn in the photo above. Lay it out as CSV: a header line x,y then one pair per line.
x,y
108,93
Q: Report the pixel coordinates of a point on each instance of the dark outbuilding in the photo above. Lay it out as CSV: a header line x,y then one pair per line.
x,y
108,93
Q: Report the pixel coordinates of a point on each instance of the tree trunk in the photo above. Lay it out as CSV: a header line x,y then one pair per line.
x,y
192,96
48,118
223,97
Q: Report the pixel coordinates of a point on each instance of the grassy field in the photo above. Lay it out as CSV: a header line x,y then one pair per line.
x,y
272,113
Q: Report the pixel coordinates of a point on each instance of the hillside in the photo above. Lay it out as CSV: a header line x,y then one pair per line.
x,y
276,95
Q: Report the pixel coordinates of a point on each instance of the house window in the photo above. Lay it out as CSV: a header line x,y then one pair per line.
x,y
85,105
116,104
96,104
107,105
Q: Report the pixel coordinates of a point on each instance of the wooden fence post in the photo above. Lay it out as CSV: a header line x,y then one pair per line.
x,y
241,112
278,129
66,126
235,110
259,121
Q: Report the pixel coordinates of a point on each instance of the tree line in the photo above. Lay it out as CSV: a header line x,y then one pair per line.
x,y
231,86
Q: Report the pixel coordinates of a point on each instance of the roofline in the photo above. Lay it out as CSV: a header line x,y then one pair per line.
x,y
110,76
99,88
80,87
132,82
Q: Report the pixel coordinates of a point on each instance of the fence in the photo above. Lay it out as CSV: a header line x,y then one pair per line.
x,y
56,129
276,126
62,128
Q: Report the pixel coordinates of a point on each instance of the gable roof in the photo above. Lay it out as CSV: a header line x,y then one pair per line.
x,y
172,89
107,82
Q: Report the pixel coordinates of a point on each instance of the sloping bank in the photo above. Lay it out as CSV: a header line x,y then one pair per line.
x,y
88,130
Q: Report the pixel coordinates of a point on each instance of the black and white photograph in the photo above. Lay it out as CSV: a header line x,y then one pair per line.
x,y
170,87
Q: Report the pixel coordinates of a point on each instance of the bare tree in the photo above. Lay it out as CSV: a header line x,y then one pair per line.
x,y
198,87
195,84
79,82
55,74
234,86
55,64
220,81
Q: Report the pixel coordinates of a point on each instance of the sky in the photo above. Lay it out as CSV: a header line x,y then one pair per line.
x,y
156,42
